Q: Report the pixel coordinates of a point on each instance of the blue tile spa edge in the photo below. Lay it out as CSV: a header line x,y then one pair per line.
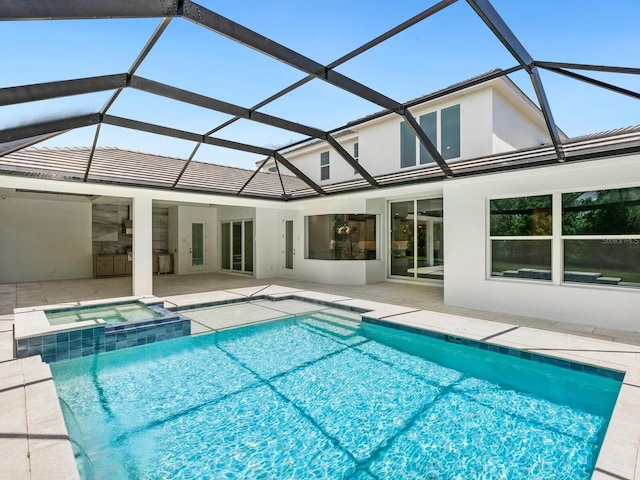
x,y
82,342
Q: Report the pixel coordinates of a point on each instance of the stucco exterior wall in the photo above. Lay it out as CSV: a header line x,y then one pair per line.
x,y
44,240
186,216
515,125
467,282
379,140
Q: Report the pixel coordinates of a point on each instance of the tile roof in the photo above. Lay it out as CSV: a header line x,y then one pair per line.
x,y
125,167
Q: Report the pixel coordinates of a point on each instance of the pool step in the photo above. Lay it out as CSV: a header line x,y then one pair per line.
x,y
338,326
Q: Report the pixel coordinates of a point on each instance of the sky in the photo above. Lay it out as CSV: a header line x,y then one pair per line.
x,y
451,46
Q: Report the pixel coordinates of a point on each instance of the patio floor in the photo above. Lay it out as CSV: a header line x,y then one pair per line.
x,y
418,296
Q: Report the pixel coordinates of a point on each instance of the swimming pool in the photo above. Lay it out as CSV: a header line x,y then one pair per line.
x,y
322,396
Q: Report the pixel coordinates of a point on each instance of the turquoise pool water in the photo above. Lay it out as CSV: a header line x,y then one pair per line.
x,y
321,396
126,312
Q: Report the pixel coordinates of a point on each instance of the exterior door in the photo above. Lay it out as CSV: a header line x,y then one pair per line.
x,y
236,246
197,249
417,241
289,246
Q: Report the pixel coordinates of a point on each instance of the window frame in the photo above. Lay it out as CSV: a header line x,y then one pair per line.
x,y
356,155
605,239
246,243
558,240
413,153
325,164
537,275
343,239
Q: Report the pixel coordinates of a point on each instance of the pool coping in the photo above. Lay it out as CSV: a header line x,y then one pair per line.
x,y
619,454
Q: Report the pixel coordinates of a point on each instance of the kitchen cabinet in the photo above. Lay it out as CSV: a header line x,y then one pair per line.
x,y
119,264
102,265
111,265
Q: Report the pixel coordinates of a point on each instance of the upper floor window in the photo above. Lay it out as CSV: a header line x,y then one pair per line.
x,y
407,146
450,126
356,155
272,169
428,123
448,146
324,166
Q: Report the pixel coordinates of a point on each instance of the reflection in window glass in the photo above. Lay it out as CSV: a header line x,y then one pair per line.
x,y
407,146
417,239
523,219
341,237
225,243
324,166
603,261
402,233
236,242
236,246
521,216
529,259
248,246
602,212
429,123
450,140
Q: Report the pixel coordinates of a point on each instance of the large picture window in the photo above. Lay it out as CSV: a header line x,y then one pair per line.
x,y
341,237
601,237
520,232
599,242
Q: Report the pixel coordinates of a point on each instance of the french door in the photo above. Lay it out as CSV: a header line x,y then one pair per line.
x,y
237,246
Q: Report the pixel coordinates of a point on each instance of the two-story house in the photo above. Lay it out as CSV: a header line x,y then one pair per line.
x,y
511,229
486,119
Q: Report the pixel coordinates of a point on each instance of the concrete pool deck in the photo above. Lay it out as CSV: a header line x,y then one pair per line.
x,y
28,424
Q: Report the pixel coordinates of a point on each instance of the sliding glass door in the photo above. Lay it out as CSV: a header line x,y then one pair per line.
x,y
417,239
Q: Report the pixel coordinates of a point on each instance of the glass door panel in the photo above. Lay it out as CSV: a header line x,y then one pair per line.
x,y
289,251
237,246
197,244
402,220
417,241
430,260
248,246
226,246
236,242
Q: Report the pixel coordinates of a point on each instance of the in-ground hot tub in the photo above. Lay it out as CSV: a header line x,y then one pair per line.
x,y
63,332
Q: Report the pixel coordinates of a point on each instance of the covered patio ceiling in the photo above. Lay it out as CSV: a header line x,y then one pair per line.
x,y
164,101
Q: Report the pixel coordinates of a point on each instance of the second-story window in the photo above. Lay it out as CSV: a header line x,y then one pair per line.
x,y
324,166
356,154
407,146
450,126
411,149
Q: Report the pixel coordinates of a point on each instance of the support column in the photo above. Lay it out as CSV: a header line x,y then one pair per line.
x,y
142,246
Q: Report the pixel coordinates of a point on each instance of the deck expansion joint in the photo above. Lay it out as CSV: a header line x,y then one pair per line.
x,y
499,333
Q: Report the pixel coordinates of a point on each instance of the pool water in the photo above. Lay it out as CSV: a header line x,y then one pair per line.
x,y
322,396
127,312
